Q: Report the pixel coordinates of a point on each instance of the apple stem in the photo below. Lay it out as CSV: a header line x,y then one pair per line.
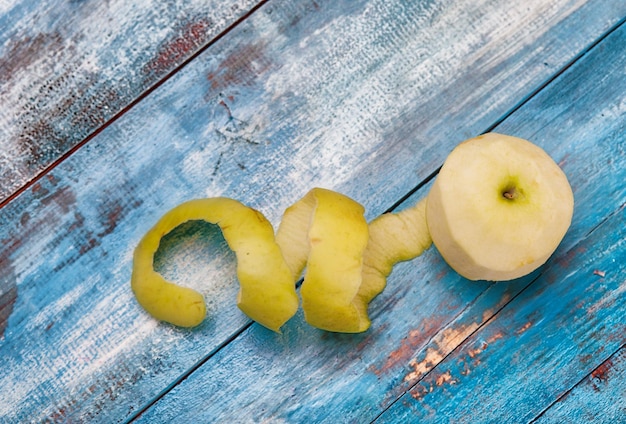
x,y
510,193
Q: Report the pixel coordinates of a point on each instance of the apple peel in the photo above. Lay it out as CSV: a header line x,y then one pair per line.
x,y
327,232
482,234
267,290
347,261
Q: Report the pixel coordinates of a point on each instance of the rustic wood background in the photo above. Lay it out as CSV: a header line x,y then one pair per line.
x,y
114,112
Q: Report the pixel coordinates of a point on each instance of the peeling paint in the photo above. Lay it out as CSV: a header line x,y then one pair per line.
x,y
445,378
445,342
433,357
408,346
524,327
601,374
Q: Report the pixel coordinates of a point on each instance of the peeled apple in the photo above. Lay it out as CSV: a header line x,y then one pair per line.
x,y
499,208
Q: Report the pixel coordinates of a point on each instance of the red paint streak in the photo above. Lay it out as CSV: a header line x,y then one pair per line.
x,y
7,301
242,66
91,243
113,213
176,51
408,346
38,190
566,260
111,219
64,198
524,328
441,275
495,337
601,374
23,51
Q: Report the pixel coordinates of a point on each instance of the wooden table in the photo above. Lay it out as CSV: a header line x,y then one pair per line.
x,y
113,112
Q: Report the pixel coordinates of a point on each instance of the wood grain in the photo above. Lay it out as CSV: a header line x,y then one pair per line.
x,y
68,67
363,97
597,398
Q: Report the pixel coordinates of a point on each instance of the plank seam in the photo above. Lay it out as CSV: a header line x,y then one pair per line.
x,y
188,372
493,317
519,105
557,74
457,347
579,383
393,207
72,150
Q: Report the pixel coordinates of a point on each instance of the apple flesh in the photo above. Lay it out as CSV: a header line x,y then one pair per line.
x,y
499,208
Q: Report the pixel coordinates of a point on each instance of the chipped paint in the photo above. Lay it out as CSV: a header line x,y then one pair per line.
x,y
429,384
444,342
445,378
523,328
73,377
601,375
408,346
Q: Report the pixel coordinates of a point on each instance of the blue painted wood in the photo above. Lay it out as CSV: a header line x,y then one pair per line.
x,y
506,351
68,67
263,116
597,398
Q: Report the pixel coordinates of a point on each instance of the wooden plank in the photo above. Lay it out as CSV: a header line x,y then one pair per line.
x,y
503,351
262,116
597,398
68,67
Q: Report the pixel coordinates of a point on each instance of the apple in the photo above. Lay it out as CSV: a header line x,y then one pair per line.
x,y
499,208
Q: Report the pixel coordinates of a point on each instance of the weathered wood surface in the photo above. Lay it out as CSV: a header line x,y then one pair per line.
x,y
363,97
69,67
600,396
489,353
